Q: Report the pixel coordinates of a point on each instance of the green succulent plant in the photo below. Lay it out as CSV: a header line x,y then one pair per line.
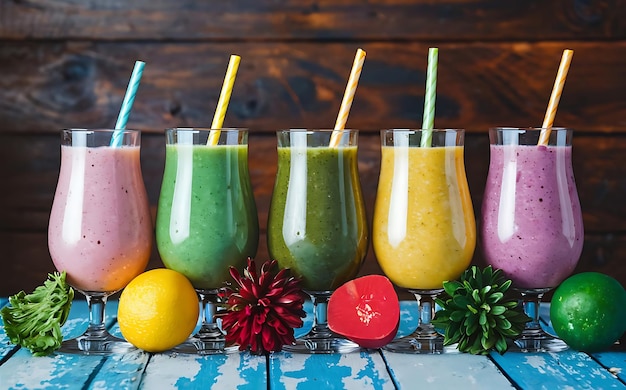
x,y
477,314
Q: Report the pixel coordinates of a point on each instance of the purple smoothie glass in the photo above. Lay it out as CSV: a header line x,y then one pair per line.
x,y
532,225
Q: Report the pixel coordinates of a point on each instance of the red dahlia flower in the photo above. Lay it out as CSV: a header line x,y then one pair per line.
x,y
263,312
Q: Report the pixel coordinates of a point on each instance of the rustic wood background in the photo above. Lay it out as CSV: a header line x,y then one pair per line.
x,y
66,63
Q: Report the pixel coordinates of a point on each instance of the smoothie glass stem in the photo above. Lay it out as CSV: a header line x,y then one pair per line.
x,y
96,303
96,340
320,311
208,311
533,337
530,303
425,338
426,303
321,339
209,339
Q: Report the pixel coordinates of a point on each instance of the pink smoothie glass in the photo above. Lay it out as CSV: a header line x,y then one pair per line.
x,y
100,229
532,226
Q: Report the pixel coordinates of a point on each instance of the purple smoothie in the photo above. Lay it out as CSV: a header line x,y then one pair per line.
x,y
532,224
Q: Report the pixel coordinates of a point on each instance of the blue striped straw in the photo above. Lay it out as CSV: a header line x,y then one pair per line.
x,y
127,104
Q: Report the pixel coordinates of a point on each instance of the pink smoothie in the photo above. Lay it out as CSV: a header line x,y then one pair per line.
x,y
532,225
100,229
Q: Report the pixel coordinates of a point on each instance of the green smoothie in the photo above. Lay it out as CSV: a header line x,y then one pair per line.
x,y
317,223
206,218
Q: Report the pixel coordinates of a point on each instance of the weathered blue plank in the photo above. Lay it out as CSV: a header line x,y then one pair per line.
x,y
121,372
364,370
57,371
444,371
230,371
5,345
555,370
615,362
355,370
24,371
293,371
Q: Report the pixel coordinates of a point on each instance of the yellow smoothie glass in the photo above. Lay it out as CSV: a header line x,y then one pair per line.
x,y
424,231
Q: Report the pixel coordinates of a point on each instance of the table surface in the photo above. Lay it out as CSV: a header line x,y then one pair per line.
x,y
372,369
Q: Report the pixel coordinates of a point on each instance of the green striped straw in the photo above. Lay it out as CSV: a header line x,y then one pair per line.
x,y
127,104
429,99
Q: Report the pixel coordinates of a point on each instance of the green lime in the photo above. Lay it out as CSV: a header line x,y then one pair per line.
x,y
588,311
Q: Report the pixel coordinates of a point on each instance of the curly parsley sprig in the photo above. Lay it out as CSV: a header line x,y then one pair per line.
x,y
34,320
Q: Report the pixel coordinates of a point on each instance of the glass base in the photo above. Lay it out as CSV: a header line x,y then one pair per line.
x,y
104,344
209,339
320,339
537,341
533,337
317,344
417,343
425,339
202,346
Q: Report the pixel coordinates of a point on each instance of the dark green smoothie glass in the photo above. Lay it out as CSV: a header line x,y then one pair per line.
x,y
317,224
206,218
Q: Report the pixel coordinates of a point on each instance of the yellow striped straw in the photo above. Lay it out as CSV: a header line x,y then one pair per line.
x,y
557,89
348,97
222,103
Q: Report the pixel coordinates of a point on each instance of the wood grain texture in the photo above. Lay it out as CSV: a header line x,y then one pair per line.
x,y
66,63
461,371
230,371
370,369
466,20
29,168
364,370
550,371
47,86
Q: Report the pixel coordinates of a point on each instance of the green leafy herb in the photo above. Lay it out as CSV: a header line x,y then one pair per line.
x,y
477,314
34,320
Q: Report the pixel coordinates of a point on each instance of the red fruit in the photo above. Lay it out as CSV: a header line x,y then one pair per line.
x,y
365,310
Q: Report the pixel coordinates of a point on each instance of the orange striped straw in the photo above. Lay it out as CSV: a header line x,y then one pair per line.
x,y
557,89
222,103
348,97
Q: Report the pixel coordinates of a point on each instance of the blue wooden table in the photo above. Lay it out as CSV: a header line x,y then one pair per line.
x,y
374,369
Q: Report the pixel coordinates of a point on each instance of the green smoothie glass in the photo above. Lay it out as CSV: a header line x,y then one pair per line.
x,y
316,224
206,219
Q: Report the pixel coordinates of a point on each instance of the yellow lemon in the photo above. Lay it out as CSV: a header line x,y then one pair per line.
x,y
158,310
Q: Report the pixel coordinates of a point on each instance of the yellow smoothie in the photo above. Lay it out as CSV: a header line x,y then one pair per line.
x,y
424,230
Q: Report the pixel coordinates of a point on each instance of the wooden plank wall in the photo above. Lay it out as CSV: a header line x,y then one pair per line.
x,y
66,63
